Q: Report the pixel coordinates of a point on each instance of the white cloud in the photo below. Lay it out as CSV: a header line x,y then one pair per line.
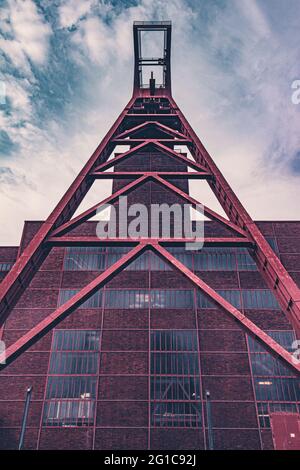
x,y
72,10
94,40
30,34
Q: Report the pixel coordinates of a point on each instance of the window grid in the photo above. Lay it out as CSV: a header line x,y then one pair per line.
x,y
175,379
276,388
261,299
5,267
208,259
72,378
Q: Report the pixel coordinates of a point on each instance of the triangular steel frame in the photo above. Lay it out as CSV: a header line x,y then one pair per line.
x,y
53,231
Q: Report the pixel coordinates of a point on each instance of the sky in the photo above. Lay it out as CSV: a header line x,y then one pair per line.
x,y
66,72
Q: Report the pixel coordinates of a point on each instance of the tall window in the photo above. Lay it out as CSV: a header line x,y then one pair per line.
x,y
72,380
175,383
276,387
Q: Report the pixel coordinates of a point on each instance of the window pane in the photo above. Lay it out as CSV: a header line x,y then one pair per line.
x,y
259,299
84,259
69,413
71,387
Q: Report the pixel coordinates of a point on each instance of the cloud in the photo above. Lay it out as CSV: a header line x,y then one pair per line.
x,y
71,11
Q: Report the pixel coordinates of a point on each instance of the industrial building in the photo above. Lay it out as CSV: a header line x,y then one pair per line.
x,y
146,343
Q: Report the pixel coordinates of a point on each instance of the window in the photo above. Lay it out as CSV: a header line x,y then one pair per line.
x,y
157,298
85,259
276,387
259,299
5,267
95,301
232,296
126,298
273,244
214,261
175,383
171,298
72,382
245,261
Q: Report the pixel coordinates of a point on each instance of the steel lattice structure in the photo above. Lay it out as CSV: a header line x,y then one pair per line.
x,y
151,119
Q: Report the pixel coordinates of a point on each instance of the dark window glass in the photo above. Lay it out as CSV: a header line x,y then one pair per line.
x,y
174,363
173,340
175,383
76,340
259,299
273,244
85,259
71,387
266,364
69,413
73,363
276,387
116,253
175,388
284,338
214,261
95,301
232,296
245,261
168,298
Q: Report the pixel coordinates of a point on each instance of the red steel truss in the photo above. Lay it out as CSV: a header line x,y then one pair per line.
x,y
151,120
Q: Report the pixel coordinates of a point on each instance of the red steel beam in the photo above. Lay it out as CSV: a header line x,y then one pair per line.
x,y
22,344
114,161
138,141
218,300
35,253
164,174
159,125
64,228
32,336
276,276
207,212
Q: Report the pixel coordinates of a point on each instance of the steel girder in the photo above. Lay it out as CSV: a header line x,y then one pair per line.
x,y
78,299
173,124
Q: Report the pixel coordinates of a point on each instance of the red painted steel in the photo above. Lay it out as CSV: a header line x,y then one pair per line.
x,y
64,310
165,117
61,312
95,241
285,430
